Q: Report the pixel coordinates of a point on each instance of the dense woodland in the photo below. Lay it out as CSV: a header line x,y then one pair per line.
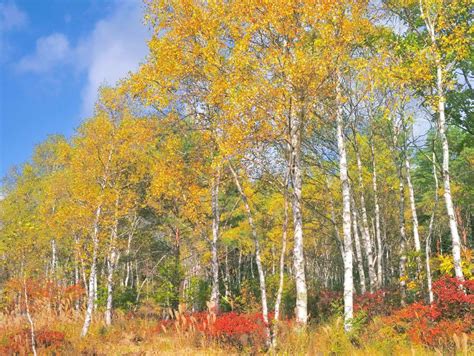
x,y
266,158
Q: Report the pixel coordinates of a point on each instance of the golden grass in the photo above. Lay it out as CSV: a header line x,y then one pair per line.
x,y
140,336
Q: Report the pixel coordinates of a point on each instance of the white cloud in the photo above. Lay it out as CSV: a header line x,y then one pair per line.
x,y
11,17
50,51
115,47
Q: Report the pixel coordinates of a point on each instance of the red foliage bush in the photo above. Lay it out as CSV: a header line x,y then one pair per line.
x,y
50,339
454,298
434,325
58,296
231,328
372,303
20,342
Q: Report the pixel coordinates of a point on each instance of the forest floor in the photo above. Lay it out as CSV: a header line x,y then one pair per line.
x,y
142,336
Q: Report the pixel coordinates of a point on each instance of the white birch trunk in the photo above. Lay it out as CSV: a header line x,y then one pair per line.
x,y
403,256
365,227
30,319
346,217
110,278
282,263
53,259
93,274
378,234
258,259
442,126
414,216
430,233
215,236
360,261
456,240
227,274
301,312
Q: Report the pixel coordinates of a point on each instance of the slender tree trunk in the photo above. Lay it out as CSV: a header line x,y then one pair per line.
x,y
346,216
93,273
282,264
261,274
360,261
76,270
456,240
240,268
430,233
215,236
53,259
378,233
134,224
414,216
442,126
111,263
110,278
30,319
227,273
297,206
403,257
365,225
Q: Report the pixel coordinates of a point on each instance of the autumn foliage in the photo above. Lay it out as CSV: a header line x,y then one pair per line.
x,y
452,313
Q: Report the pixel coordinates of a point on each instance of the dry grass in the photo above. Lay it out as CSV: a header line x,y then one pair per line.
x,y
140,336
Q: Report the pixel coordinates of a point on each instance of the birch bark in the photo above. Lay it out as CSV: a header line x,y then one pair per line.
x,y
258,259
442,126
346,215
215,236
297,207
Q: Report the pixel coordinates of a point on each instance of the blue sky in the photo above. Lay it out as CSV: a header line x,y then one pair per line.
x,y
54,54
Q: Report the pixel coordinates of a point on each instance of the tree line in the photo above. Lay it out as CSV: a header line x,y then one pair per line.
x,y
264,151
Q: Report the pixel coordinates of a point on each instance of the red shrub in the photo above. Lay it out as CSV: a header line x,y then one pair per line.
x,y
20,342
232,328
454,298
372,303
434,325
58,296
49,339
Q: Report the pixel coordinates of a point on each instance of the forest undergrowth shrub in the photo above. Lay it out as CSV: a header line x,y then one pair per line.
x,y
19,342
239,330
41,294
437,325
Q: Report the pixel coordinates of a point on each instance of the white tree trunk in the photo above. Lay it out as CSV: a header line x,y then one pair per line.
x,y
297,206
258,259
378,233
456,240
53,259
93,274
346,218
227,274
360,261
365,227
430,233
414,216
215,236
403,257
282,263
111,261
30,319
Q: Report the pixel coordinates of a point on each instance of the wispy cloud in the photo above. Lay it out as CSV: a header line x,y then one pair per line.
x,y
115,46
50,52
11,17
